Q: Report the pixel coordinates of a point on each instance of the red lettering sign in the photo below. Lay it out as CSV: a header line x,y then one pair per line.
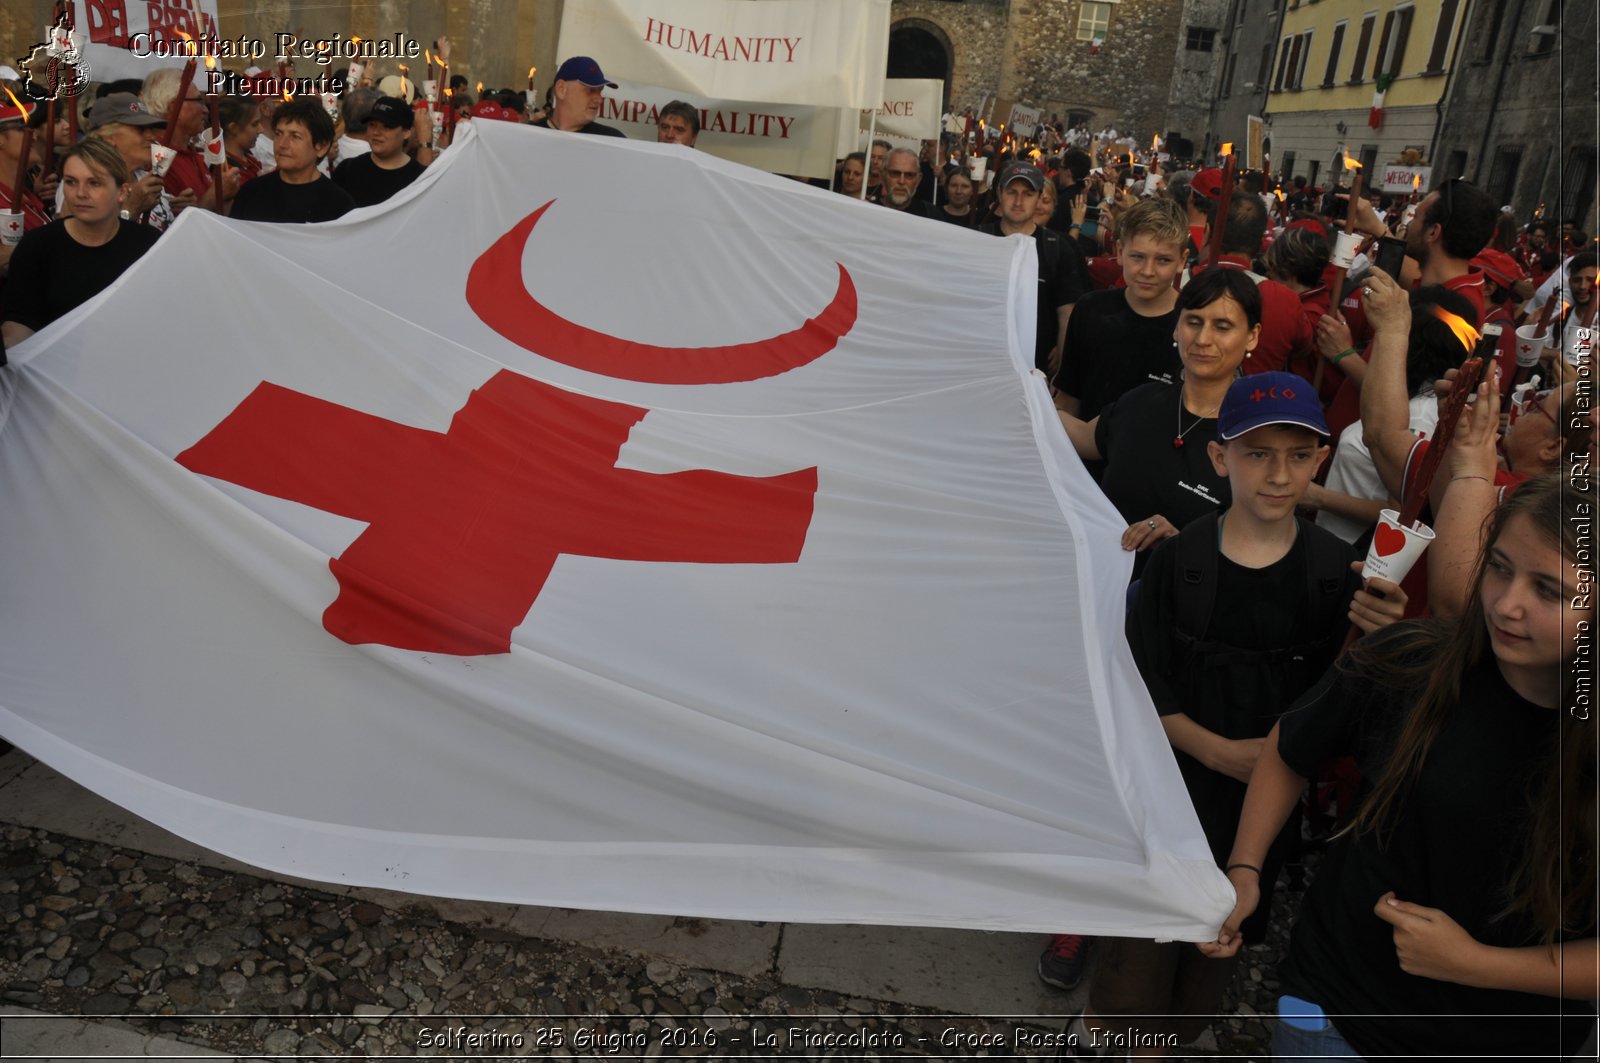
x,y
108,22
464,526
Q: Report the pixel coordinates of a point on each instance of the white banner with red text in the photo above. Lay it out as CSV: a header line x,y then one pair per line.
x,y
777,138
822,53
131,38
678,539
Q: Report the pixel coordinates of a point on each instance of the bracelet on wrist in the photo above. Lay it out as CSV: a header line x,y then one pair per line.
x,y
1470,476
1247,867
1342,355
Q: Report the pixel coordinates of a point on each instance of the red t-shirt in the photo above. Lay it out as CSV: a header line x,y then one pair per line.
x,y
1285,336
188,172
1106,272
1345,408
248,167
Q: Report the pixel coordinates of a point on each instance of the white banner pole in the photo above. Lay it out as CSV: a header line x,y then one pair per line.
x,y
872,131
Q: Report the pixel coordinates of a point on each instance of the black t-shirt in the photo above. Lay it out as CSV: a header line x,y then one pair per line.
x,y
368,183
593,129
916,208
1460,833
1063,280
51,273
1112,349
1145,474
1212,676
966,221
268,198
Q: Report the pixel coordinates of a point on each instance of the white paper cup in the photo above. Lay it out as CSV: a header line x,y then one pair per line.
x,y
430,91
214,155
1577,343
330,103
1530,346
1344,249
1395,549
11,227
161,158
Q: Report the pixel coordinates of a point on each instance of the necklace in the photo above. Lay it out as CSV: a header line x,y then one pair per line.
x,y
1177,440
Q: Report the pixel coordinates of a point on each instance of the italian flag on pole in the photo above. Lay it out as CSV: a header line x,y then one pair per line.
x,y
1375,117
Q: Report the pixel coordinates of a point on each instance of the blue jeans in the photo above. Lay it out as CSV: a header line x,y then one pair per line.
x,y
1293,1045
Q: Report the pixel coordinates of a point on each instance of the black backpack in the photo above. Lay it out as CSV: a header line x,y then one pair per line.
x,y
1327,566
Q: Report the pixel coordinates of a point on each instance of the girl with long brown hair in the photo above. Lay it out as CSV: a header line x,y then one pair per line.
x,y
1456,916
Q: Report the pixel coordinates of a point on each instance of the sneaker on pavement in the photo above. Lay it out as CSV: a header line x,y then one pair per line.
x,y
1062,963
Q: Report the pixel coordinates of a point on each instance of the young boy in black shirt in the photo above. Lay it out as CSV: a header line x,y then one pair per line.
x,y
1119,338
1235,617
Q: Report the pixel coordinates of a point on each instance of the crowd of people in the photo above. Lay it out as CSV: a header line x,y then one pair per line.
x,y
1251,405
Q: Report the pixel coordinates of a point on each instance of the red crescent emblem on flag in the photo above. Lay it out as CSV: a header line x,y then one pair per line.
x,y
497,295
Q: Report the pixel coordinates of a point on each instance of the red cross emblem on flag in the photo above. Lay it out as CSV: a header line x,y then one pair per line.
x,y
464,526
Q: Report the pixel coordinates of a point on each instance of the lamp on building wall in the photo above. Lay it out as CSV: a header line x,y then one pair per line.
x,y
1341,127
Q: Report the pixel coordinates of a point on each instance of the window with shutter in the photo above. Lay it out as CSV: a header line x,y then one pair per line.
x,y
1378,62
1441,36
1402,37
1333,54
1362,44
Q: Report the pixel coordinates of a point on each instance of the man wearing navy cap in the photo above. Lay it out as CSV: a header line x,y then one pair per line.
x,y
578,89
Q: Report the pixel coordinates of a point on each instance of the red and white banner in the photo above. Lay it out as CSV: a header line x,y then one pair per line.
x,y
1398,177
130,38
677,538
778,138
822,53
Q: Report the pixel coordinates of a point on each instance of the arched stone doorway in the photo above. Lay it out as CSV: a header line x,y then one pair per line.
x,y
920,49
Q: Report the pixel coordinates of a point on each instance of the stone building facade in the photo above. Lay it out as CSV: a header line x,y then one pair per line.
x,y
1520,118
1107,62
1248,41
1199,53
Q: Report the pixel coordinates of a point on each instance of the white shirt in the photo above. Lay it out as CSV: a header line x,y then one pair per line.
x,y
1556,279
1354,473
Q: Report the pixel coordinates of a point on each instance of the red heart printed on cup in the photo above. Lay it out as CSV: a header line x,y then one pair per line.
x,y
1388,540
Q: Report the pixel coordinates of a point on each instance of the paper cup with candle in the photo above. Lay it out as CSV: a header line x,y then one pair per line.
x,y
1395,548
161,158
214,155
11,227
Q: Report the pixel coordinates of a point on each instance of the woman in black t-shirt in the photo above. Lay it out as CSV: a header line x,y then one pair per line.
x,y
1457,915
1153,439
58,267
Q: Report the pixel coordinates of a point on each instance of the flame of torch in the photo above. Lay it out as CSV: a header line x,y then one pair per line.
x,y
26,153
404,70
1155,142
1463,330
1351,164
1227,149
1416,181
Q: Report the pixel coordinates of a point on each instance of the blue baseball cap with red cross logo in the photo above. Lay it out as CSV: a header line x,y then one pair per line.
x,y
1270,398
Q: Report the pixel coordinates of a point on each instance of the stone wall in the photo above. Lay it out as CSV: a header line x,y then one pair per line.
x,y
1194,72
1027,51
977,35
1505,97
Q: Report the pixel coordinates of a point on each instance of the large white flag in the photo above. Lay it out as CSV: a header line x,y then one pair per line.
x,y
825,53
595,524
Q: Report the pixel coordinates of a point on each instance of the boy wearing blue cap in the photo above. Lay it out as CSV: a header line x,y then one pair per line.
x,y
1234,618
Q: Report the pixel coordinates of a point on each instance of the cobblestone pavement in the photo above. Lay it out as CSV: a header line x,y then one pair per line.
x,y
252,967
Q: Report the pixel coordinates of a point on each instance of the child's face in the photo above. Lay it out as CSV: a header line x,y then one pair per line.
x,y
1269,469
1529,614
1149,266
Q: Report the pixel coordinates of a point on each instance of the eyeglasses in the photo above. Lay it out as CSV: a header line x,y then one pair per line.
x,y
1535,403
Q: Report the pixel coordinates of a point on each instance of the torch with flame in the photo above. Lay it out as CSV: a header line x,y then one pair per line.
x,y
27,151
405,90
1462,328
353,74
532,70
1349,163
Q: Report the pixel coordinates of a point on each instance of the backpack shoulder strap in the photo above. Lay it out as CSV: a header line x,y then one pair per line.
x,y
1196,590
1327,565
